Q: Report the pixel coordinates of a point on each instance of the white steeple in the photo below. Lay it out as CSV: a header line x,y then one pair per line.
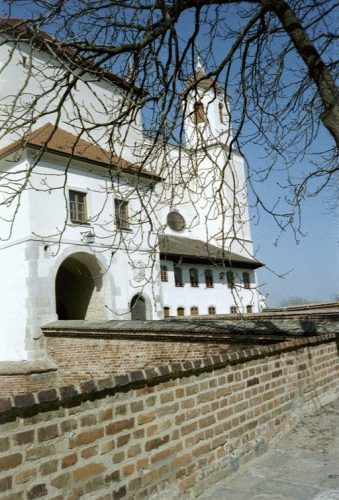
x,y
206,113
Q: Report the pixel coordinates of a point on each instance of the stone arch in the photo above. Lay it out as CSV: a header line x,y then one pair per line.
x,y
79,288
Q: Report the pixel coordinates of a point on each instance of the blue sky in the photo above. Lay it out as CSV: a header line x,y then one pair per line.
x,y
310,269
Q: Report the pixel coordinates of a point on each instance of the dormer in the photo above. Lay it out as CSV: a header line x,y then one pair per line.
x,y
206,111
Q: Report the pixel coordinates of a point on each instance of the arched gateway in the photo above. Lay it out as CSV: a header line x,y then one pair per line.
x,y
78,288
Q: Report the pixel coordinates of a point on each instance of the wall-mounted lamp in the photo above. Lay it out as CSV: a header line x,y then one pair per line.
x,y
88,237
222,275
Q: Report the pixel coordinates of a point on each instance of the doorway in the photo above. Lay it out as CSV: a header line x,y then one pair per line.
x,y
138,308
77,289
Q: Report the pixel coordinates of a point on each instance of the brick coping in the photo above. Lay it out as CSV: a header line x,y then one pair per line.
x,y
173,327
82,391
27,367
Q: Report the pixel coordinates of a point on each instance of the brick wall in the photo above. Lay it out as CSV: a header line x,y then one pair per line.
x,y
78,359
84,350
163,432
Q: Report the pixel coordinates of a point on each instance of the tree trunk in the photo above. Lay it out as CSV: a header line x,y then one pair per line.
x,y
317,69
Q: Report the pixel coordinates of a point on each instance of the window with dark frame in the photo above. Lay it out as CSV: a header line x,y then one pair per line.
x,y
221,112
249,309
211,310
164,275
121,214
77,207
178,276
209,278
194,311
230,279
194,278
233,310
246,280
181,311
175,221
199,113
166,312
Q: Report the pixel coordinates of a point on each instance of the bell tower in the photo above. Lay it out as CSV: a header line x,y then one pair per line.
x,y
206,111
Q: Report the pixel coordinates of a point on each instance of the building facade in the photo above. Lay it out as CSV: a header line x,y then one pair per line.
x,y
88,231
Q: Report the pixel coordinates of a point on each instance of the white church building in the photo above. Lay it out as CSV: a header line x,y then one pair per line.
x,y
93,234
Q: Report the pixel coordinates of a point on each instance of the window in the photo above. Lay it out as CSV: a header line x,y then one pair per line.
x,y
175,221
230,279
194,277
246,280
121,214
211,310
181,311
221,112
199,113
166,312
164,276
233,310
178,276
249,309
194,311
209,278
77,206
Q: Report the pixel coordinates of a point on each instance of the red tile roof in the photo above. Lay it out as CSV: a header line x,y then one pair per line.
x,y
199,79
59,141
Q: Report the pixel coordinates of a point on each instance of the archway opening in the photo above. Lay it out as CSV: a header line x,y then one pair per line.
x,y
77,289
138,308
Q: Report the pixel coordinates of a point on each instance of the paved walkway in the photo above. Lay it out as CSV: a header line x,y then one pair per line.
x,y
303,466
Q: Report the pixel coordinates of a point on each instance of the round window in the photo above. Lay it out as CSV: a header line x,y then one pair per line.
x,y
175,221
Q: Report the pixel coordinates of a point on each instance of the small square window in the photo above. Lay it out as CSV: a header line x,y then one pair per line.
x,y
211,310
180,311
121,214
233,310
77,207
194,311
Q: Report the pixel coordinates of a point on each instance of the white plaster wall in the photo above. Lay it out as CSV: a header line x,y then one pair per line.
x,y
13,296
97,102
14,200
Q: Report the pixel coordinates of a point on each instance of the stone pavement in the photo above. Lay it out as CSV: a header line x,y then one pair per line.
x,y
304,465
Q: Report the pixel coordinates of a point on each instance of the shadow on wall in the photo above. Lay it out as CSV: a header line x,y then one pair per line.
x,y
243,330
73,289
77,285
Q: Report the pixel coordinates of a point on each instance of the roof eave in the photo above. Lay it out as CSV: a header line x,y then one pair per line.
x,y
210,260
24,145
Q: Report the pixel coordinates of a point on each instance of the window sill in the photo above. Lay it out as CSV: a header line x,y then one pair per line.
x,y
124,229
78,223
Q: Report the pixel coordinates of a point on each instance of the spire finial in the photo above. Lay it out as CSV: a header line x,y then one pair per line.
x,y
129,70
199,65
